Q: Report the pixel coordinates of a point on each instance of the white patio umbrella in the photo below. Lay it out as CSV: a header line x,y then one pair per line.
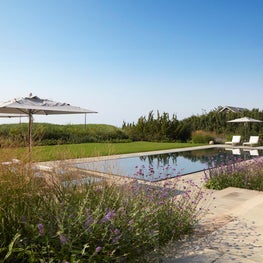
x,y
245,120
32,105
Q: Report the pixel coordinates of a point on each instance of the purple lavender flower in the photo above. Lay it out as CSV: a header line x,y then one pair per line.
x,y
88,222
122,259
98,249
89,219
108,216
116,231
115,239
23,219
63,239
88,212
131,224
41,229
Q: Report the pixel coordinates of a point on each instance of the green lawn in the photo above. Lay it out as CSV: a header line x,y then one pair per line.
x,y
68,151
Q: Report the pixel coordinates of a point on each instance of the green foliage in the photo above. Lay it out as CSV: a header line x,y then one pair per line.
x,y
216,121
161,128
96,222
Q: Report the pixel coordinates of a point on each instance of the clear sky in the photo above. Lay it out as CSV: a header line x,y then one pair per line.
x,y
124,58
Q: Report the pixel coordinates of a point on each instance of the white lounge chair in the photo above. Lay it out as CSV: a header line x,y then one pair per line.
x,y
253,140
235,140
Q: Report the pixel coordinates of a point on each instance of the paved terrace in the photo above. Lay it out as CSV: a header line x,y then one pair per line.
x,y
231,232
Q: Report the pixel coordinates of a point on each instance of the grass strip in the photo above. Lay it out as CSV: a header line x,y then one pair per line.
x,y
71,151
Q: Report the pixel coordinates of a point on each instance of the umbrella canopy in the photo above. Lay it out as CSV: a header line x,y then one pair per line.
x,y
6,115
34,105
245,120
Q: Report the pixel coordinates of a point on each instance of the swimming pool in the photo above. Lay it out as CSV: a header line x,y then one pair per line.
x,y
158,167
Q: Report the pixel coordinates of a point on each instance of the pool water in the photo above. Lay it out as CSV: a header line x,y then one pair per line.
x,y
163,166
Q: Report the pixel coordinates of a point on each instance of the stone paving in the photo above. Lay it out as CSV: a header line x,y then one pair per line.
x,y
231,232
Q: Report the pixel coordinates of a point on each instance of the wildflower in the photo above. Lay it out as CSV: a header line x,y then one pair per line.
x,y
41,229
88,212
71,215
131,224
98,249
122,259
115,239
89,219
122,210
23,219
63,239
117,231
108,216
88,222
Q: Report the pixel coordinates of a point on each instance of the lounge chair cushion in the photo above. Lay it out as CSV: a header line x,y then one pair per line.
x,y
235,140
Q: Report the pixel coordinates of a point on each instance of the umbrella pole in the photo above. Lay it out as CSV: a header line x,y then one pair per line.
x,y
30,131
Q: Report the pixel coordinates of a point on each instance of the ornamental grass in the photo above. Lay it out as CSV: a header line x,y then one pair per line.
x,y
47,221
236,173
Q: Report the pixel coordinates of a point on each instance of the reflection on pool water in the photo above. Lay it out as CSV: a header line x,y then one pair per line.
x,y
162,166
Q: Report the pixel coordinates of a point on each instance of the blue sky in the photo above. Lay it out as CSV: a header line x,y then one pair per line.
x,y
126,58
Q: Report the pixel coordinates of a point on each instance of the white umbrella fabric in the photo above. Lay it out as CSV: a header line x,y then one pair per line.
x,y
6,115
245,120
34,105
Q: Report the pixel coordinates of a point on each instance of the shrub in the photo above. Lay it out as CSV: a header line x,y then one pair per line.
x,y
202,137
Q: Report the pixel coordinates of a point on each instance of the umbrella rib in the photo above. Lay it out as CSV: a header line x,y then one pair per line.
x,y
23,111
